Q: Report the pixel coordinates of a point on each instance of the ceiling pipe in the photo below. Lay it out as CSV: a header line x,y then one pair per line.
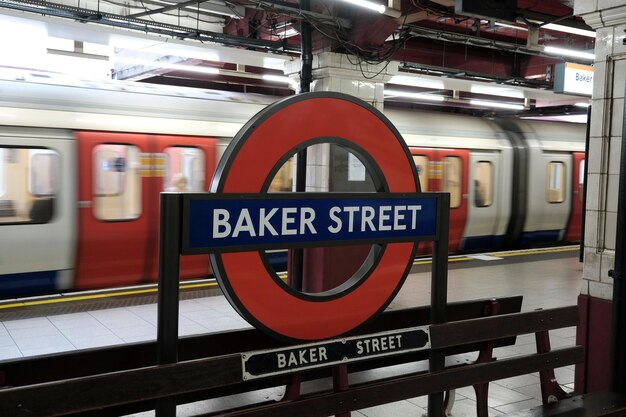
x,y
306,48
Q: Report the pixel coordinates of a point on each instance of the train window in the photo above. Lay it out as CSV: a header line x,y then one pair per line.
x,y
555,182
421,163
185,169
29,180
44,162
117,182
283,180
452,179
483,184
581,180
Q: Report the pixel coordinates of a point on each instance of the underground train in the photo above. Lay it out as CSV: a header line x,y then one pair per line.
x,y
82,165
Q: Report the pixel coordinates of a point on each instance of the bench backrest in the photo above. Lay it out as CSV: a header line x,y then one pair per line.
x,y
99,391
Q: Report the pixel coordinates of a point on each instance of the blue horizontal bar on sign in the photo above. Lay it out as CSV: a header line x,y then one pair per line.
x,y
226,222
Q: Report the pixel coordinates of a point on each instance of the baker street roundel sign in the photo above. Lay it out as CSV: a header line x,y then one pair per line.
x,y
239,219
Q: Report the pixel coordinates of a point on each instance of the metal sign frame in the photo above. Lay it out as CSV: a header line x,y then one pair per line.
x,y
362,129
170,249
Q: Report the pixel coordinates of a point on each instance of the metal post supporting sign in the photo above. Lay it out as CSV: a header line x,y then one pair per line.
x,y
239,219
169,269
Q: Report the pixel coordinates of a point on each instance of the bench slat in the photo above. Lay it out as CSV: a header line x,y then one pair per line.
x,y
497,327
372,394
99,391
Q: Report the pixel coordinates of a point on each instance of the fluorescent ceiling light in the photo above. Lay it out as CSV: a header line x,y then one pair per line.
x,y
553,26
369,5
167,65
497,91
568,52
277,78
572,118
582,104
567,29
495,104
288,33
506,25
417,96
415,81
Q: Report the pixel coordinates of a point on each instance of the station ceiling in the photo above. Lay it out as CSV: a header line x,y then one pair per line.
x,y
419,36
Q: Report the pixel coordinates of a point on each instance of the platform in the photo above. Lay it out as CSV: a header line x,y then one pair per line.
x,y
546,278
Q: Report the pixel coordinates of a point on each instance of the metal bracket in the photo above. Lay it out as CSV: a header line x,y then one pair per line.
x,y
616,275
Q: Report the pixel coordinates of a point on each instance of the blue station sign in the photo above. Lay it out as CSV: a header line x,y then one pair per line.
x,y
228,223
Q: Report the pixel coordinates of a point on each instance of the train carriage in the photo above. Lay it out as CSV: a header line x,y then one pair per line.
x,y
82,166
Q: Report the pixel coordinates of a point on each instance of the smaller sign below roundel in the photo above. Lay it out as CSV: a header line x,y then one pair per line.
x,y
265,363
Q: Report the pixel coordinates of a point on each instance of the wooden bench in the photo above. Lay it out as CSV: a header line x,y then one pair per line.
x,y
215,375
24,374
95,392
222,374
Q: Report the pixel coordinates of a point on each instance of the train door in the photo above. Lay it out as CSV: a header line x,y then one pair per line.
x,y
429,174
114,222
445,170
189,164
455,163
37,211
549,203
578,177
486,222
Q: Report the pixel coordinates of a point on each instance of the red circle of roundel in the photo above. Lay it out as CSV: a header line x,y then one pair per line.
x,y
246,165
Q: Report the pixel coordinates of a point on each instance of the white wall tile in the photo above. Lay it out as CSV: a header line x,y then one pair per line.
x,y
614,14
311,171
591,228
367,90
612,192
607,263
597,117
584,287
617,116
615,155
604,44
593,189
347,86
620,78
591,267
618,40
610,228
607,4
585,6
601,290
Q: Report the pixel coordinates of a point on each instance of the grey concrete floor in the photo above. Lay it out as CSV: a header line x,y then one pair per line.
x,y
545,280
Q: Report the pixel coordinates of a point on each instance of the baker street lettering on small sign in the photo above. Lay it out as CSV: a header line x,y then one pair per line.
x,y
262,363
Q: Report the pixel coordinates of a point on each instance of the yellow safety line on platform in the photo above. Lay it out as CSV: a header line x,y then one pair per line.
x,y
214,284
76,298
534,252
